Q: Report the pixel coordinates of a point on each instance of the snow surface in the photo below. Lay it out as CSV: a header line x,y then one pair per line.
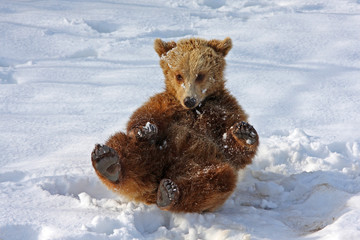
x,y
72,72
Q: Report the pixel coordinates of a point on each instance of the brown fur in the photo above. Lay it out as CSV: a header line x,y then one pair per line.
x,y
196,148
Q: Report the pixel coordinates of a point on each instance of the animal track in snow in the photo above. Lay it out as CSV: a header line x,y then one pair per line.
x,y
85,53
102,26
6,77
13,176
167,33
311,7
137,221
214,3
22,232
73,186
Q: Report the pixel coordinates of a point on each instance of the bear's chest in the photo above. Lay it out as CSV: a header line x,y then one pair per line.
x,y
205,120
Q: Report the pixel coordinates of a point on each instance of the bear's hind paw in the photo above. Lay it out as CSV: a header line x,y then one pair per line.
x,y
106,161
167,195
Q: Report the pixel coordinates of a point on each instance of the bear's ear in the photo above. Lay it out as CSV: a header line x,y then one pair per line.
x,y
162,47
222,47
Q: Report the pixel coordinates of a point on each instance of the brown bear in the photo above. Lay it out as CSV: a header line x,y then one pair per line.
x,y
183,147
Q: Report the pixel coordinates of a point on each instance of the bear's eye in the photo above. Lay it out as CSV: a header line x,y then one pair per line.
x,y
200,77
179,78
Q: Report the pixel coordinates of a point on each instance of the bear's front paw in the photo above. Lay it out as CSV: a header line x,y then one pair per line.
x,y
246,132
106,161
167,195
147,132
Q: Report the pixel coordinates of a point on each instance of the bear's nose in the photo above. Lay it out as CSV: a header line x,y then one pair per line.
x,y
190,102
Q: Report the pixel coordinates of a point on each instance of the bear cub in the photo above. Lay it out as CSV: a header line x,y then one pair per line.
x,y
183,148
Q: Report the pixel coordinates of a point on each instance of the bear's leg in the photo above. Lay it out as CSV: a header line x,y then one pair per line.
x,y
196,189
130,167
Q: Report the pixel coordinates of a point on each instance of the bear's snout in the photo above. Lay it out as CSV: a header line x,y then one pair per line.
x,y
190,102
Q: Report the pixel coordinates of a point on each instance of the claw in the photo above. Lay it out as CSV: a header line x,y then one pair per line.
x,y
245,131
149,131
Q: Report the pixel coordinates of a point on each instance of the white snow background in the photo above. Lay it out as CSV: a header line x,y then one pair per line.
x,y
72,72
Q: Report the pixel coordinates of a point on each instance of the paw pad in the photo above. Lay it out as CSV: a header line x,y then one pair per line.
x,y
106,162
245,131
168,194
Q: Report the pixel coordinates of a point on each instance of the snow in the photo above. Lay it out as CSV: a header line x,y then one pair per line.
x,y
72,72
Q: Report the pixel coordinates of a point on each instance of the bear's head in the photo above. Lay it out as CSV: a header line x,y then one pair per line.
x,y
193,68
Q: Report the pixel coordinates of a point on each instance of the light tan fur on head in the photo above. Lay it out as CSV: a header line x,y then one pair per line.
x,y
193,68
